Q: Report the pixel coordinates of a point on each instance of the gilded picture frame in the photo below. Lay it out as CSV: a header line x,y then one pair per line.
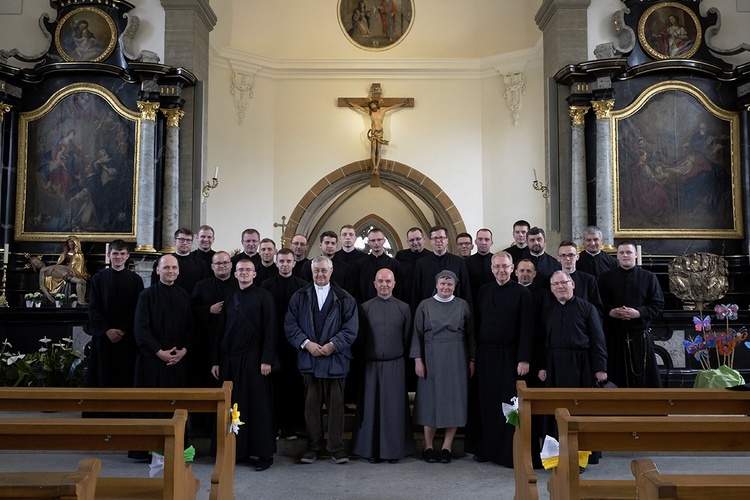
x,y
670,30
676,166
375,25
86,34
78,167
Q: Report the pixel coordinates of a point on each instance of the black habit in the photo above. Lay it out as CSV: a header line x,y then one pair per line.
x,y
363,275
246,339
480,271
408,261
163,320
112,300
505,337
192,270
596,265
629,342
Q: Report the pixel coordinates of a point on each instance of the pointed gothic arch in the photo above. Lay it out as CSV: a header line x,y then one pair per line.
x,y
399,179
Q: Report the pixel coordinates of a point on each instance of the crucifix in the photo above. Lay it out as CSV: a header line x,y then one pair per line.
x,y
283,226
375,107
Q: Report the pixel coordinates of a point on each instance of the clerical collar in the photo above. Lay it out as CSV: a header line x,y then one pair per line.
x,y
537,254
441,299
182,254
348,251
561,302
322,293
593,254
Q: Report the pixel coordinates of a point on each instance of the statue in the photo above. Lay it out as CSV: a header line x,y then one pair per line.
x,y
73,258
700,278
375,134
57,272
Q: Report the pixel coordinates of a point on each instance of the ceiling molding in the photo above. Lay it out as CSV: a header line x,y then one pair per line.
x,y
346,69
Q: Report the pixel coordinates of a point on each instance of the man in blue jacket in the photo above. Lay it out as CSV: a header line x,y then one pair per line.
x,y
322,324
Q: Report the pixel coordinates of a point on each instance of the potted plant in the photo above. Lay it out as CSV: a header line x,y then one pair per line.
x,y
55,364
33,299
59,299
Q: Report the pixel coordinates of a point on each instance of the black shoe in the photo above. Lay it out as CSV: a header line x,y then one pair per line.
x,y
340,457
393,460
309,457
479,458
581,470
375,460
264,463
445,456
429,456
139,455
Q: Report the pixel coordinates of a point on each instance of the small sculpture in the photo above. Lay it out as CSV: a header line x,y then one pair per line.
x,y
699,278
58,272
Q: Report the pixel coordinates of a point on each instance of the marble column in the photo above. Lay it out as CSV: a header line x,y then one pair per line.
x,y
579,205
171,205
146,213
6,196
605,205
745,169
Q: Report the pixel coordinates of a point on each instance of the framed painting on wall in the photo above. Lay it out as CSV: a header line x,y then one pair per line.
x,y
85,34
78,167
376,24
669,30
676,166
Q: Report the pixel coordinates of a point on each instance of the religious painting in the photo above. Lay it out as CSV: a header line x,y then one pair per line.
x,y
669,30
676,166
376,24
85,34
77,167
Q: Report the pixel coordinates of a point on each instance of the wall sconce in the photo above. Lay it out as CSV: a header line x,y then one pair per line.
x,y
537,185
208,186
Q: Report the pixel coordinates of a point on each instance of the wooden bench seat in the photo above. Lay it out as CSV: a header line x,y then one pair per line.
x,y
77,485
652,485
635,434
544,401
195,400
112,434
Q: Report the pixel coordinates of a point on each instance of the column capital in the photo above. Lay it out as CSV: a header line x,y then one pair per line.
x,y
603,108
148,110
173,116
578,114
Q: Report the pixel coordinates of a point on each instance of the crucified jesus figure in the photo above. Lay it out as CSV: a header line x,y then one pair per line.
x,y
375,134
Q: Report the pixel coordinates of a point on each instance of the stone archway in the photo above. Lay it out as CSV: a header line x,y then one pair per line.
x,y
394,176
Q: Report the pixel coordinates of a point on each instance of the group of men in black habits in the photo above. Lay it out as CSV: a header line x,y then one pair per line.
x,y
292,346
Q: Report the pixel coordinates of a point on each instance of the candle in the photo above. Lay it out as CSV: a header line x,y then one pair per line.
x,y
216,172
639,257
106,254
535,179
6,253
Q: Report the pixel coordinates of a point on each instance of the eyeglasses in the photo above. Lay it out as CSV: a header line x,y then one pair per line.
x,y
414,240
223,263
184,240
560,283
464,244
321,271
567,255
438,238
501,266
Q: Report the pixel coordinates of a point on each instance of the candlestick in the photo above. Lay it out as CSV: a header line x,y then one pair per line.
x,y
216,172
6,251
106,254
639,257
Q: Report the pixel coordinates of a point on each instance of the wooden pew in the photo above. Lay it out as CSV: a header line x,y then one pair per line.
x,y
194,400
636,434
77,485
652,485
544,401
112,434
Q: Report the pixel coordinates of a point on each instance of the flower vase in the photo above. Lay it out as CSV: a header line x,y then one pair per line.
x,y
58,304
29,303
37,304
74,304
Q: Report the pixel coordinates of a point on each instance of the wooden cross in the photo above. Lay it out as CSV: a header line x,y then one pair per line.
x,y
375,106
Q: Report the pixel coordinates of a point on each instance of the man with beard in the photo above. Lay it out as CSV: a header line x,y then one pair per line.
x,y
544,262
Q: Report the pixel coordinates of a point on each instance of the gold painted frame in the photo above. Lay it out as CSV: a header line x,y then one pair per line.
x,y
371,27
676,158
663,38
85,34
78,167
